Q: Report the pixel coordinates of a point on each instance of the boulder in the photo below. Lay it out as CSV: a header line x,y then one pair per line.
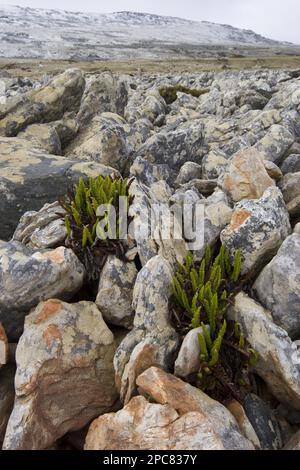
x,y
152,341
188,359
141,425
64,374
258,228
278,286
188,172
43,137
147,105
42,229
274,145
114,297
214,164
30,178
166,389
63,93
246,176
290,187
246,428
28,276
279,362
291,164
104,141
104,93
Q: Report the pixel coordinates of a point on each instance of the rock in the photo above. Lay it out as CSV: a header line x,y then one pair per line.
x,y
138,132
291,164
63,93
66,129
214,164
246,176
104,93
188,359
149,426
294,442
114,297
28,276
188,172
290,187
44,137
149,106
279,364
175,147
104,141
29,179
263,421
149,173
154,227
278,287
3,347
258,227
273,170
275,143
152,341
42,229
7,396
245,426
64,374
205,187
166,389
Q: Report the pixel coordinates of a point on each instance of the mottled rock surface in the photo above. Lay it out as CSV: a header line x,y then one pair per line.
x,y
64,374
27,276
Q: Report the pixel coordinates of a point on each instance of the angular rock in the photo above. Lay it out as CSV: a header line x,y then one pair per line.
x,y
279,363
273,170
64,374
104,141
176,146
166,389
42,229
63,93
7,396
278,286
149,426
258,228
214,164
291,164
148,173
290,187
188,172
246,176
104,93
44,137
115,291
152,341
3,347
29,179
246,428
27,276
149,106
275,143
263,421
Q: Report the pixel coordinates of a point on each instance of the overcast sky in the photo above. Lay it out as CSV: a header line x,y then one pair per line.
x,y
277,19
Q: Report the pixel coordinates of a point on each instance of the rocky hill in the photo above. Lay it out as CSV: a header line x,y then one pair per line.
x,y
51,34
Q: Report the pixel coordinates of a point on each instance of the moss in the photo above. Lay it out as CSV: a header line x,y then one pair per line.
x,y
169,93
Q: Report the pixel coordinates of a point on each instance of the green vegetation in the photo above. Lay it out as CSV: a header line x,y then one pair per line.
x,y
169,93
90,234
202,293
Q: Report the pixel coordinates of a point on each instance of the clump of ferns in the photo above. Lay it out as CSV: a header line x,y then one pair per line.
x,y
202,293
90,235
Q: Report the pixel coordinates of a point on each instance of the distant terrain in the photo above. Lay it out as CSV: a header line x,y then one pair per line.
x,y
28,33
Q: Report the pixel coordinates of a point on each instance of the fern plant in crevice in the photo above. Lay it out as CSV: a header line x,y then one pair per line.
x,y
90,235
202,292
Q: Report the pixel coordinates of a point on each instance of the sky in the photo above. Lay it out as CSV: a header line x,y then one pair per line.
x,y
276,19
